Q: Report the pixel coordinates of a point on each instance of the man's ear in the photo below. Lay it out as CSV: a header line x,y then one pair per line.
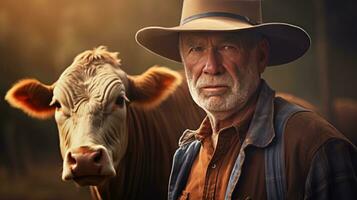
x,y
263,54
152,87
32,97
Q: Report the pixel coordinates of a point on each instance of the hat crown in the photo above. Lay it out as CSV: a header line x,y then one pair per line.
x,y
250,9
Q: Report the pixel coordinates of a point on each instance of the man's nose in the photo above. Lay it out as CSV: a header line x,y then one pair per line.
x,y
213,64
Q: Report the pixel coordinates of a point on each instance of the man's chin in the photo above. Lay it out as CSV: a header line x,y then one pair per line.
x,y
214,106
218,104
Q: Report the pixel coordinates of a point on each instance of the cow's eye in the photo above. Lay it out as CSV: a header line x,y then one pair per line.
x,y
56,104
120,101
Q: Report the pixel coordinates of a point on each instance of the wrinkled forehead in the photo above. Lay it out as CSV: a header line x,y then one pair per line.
x,y
89,82
83,73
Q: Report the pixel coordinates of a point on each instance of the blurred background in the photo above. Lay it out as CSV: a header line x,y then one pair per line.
x,y
40,38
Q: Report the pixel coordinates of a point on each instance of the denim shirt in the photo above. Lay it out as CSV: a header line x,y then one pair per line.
x,y
263,119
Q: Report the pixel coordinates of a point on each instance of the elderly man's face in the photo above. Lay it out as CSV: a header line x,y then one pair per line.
x,y
223,69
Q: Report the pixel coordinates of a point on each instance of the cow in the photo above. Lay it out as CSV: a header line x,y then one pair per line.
x,y
117,132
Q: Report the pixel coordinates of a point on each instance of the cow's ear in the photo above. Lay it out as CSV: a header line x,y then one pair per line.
x,y
152,87
32,97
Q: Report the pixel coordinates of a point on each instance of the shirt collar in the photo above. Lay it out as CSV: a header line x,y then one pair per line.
x,y
204,130
261,129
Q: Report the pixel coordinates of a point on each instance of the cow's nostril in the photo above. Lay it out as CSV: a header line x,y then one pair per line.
x,y
97,157
71,160
87,163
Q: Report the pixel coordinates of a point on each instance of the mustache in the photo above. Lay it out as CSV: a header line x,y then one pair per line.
x,y
205,81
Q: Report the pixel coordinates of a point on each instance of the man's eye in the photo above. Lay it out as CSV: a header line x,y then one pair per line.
x,y
196,49
228,47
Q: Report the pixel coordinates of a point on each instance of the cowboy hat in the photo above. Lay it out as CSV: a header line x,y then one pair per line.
x,y
287,42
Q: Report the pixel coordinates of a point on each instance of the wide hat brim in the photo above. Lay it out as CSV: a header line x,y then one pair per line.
x,y
286,42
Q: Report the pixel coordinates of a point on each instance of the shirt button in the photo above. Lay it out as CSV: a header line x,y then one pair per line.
x,y
214,166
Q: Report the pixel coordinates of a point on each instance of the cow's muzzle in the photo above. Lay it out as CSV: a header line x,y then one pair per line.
x,y
87,165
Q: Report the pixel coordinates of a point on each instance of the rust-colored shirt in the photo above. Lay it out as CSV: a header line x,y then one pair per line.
x,y
211,170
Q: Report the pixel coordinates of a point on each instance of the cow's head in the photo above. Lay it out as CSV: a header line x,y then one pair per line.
x,y
90,101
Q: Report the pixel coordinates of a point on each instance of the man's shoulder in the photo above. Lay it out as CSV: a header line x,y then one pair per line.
x,y
304,128
310,125
306,132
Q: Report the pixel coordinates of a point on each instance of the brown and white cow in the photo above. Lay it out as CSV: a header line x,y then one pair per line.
x,y
111,138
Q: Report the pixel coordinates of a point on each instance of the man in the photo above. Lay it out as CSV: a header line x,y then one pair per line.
x,y
251,145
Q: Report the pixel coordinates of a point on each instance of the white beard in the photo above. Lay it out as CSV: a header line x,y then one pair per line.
x,y
235,98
